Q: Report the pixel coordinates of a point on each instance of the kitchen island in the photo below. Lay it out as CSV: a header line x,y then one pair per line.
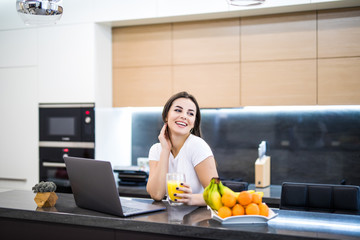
x,y
20,218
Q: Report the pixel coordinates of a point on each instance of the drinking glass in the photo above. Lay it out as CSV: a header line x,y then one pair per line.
x,y
173,181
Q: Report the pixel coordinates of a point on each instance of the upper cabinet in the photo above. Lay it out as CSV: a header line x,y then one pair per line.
x,y
270,83
213,85
278,60
304,58
216,41
141,86
339,33
152,62
206,61
278,37
339,81
142,46
339,57
142,65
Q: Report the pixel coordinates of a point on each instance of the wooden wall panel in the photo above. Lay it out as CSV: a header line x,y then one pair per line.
x,y
213,85
276,37
339,81
278,83
206,41
339,33
141,87
142,46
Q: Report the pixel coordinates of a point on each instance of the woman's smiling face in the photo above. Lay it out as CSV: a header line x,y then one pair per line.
x,y
181,116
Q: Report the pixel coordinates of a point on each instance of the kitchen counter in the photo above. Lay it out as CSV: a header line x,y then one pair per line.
x,y
271,194
20,218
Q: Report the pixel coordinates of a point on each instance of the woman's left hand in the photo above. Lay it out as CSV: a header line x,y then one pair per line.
x,y
187,197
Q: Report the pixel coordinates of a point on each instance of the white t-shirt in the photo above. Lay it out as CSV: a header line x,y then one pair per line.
x,y
194,151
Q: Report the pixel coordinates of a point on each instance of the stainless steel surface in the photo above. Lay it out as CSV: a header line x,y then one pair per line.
x,y
67,144
39,11
245,2
52,164
63,105
13,179
39,7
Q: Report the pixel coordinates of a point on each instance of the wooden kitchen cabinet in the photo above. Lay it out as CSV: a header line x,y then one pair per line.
x,y
339,81
141,65
141,86
339,33
213,85
148,45
339,57
278,60
277,37
304,58
278,83
216,41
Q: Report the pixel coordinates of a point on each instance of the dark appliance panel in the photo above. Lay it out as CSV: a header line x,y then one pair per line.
x,y
67,122
52,166
64,129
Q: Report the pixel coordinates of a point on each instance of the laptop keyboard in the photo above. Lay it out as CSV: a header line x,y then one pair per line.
x,y
130,209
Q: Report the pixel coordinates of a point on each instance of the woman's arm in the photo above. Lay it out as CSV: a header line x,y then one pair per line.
x,y
205,171
156,186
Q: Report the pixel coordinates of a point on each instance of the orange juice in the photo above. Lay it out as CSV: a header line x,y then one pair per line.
x,y
173,181
172,185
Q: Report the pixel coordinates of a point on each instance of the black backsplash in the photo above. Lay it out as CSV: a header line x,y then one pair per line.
x,y
313,145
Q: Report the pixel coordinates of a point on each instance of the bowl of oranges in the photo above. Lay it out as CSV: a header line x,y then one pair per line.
x,y
244,207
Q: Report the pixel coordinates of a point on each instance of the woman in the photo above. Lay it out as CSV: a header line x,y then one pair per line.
x,y
181,149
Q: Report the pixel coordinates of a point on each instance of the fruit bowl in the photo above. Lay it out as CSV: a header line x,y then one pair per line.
x,y
243,219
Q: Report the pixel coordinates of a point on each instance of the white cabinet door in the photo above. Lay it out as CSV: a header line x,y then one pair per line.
x,y
18,47
19,128
66,63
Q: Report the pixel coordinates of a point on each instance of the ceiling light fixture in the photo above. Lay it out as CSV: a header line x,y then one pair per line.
x,y
245,2
39,12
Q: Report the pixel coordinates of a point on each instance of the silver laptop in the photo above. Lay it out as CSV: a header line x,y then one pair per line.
x,y
93,185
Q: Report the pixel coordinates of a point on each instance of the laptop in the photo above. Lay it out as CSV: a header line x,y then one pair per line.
x,y
93,185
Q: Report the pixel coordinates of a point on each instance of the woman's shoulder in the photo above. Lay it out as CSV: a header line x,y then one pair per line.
x,y
155,146
196,141
154,151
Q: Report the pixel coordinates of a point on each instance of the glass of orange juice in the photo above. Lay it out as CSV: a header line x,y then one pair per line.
x,y
173,181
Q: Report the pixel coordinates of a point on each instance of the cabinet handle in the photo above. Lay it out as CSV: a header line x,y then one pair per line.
x,y
13,179
51,164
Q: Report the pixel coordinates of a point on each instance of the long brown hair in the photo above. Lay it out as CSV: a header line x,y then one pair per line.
x,y
196,130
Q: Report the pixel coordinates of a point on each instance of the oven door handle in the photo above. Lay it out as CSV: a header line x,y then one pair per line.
x,y
52,164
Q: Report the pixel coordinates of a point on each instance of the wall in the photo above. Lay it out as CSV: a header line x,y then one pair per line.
x,y
315,144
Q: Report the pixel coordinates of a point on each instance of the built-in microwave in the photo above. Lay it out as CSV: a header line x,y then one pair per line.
x,y
67,122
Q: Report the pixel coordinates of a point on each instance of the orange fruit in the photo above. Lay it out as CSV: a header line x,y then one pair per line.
x,y
224,212
264,209
252,209
244,198
238,210
256,198
228,200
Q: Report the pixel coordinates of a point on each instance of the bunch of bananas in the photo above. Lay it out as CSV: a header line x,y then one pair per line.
x,y
213,192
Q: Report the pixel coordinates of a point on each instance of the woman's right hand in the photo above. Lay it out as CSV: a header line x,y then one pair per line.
x,y
164,138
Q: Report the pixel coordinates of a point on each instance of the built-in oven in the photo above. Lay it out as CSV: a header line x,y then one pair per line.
x,y
64,130
52,166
